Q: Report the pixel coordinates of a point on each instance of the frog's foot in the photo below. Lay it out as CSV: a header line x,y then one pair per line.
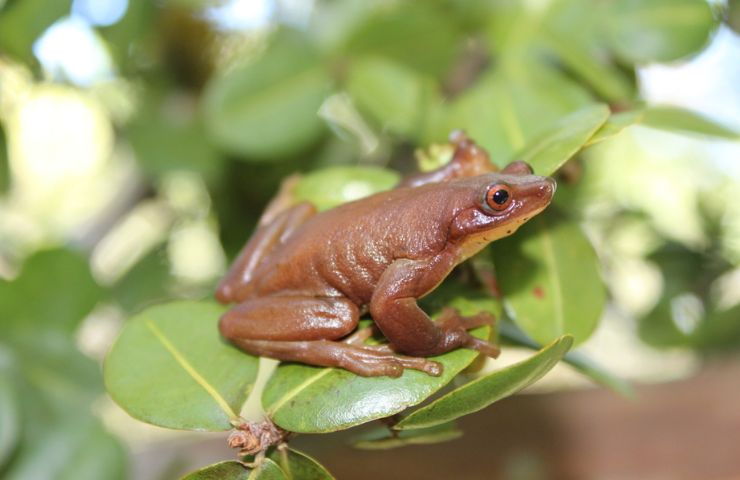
x,y
376,360
364,360
456,325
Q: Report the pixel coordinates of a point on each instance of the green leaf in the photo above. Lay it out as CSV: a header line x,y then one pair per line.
x,y
511,106
597,373
78,448
332,186
560,142
166,135
148,282
483,391
129,39
9,419
230,470
606,79
681,120
615,124
301,398
22,22
415,34
733,15
643,31
268,108
672,119
382,438
169,367
233,470
39,353
4,166
54,289
395,96
299,466
549,277
578,360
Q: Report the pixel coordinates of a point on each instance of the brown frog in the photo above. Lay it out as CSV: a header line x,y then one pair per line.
x,y
304,279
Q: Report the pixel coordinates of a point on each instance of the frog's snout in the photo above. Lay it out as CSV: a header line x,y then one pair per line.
x,y
539,189
549,186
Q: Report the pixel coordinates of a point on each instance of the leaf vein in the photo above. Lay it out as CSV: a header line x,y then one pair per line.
x,y
183,362
288,396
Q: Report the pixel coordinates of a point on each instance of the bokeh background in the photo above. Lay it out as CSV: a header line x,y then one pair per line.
x,y
140,140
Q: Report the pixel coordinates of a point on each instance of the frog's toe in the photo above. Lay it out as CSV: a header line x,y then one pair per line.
x,y
486,348
434,369
420,363
477,320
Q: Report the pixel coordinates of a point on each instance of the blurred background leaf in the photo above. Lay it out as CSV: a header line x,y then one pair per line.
x,y
22,22
268,108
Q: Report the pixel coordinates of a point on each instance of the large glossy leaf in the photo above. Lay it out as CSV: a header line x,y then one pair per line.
x,y
22,22
298,465
268,108
483,391
555,146
382,438
54,289
549,277
169,367
308,399
333,186
576,359
9,417
395,96
658,30
268,470
677,119
672,119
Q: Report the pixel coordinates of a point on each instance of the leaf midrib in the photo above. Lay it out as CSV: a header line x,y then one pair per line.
x,y
298,389
190,370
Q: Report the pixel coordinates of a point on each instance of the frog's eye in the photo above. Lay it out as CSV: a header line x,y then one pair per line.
x,y
498,197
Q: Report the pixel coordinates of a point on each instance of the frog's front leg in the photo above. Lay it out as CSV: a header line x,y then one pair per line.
x,y
307,330
408,329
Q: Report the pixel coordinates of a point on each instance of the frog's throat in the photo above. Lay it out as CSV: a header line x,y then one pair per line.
x,y
476,242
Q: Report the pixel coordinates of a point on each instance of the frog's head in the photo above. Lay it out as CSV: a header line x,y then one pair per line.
x,y
499,204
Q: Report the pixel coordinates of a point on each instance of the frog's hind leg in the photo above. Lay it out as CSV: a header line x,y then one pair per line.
x,y
307,330
235,285
364,360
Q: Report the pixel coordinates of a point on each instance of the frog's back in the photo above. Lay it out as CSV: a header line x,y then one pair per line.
x,y
344,251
